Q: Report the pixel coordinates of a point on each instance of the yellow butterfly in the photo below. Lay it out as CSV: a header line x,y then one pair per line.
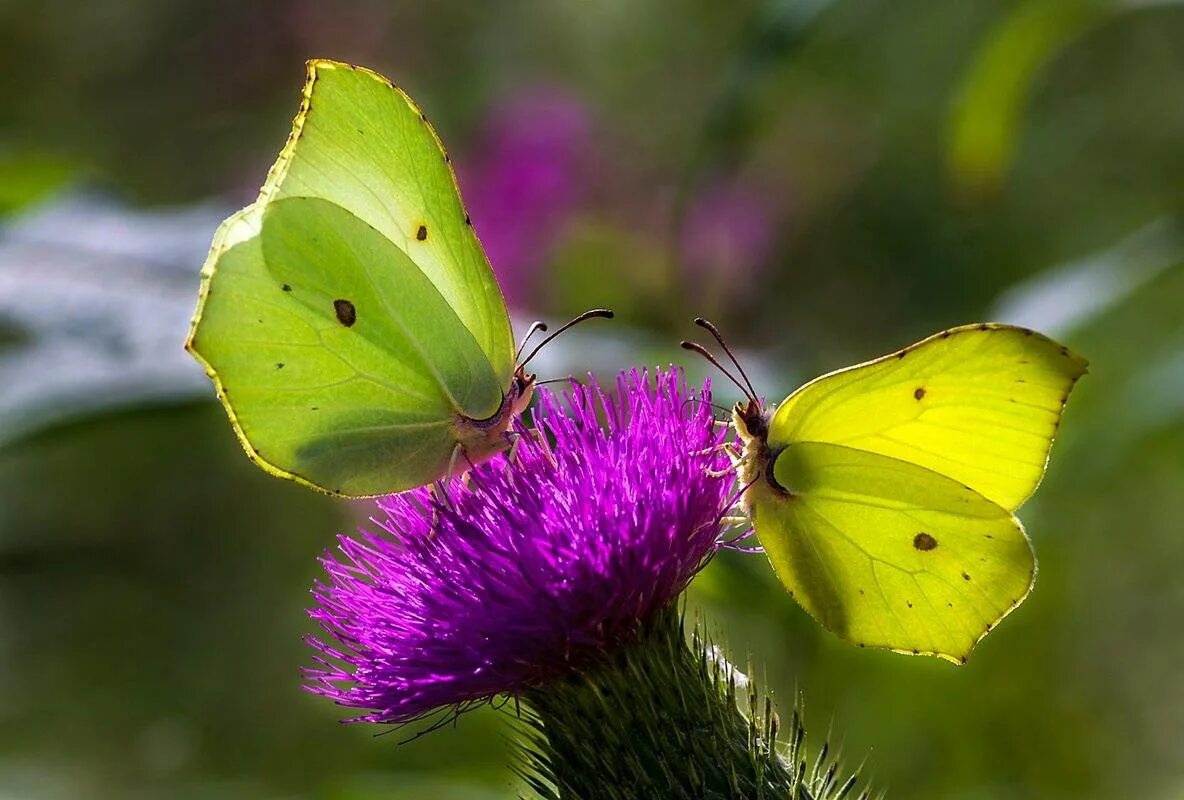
x,y
884,493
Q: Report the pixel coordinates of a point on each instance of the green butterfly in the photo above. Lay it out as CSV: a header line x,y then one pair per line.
x,y
349,318
884,494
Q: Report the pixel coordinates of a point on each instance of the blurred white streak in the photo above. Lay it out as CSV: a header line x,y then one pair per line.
x,y
99,297
1066,297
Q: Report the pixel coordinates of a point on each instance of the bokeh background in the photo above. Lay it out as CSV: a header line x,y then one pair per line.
x,y
827,180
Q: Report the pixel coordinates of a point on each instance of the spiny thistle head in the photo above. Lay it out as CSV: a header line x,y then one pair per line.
x,y
537,566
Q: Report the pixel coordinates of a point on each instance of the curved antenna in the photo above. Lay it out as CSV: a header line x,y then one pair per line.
x,y
703,351
568,379
716,406
593,313
535,327
714,331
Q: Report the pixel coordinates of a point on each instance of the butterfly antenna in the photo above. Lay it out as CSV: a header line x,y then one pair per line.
x,y
703,351
714,331
593,313
535,327
568,379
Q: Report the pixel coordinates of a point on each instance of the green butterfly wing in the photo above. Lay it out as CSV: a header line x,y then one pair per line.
x,y
902,474
349,319
361,143
889,554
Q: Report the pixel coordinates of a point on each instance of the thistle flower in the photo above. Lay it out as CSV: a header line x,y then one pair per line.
x,y
538,566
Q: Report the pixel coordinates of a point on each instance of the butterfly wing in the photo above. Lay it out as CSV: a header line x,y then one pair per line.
x,y
325,342
890,554
979,404
357,271
361,143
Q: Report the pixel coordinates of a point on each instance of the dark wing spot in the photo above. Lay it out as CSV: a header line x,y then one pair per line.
x,y
1027,332
902,353
919,392
279,365
989,536
861,591
1064,351
916,652
989,626
1020,380
945,334
286,288
951,605
421,233
909,603
923,541
984,327
965,576
468,220
347,315
315,408
962,661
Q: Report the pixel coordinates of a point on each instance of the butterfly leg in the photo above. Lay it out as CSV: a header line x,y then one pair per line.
x,y
727,447
440,487
440,491
733,456
514,439
545,447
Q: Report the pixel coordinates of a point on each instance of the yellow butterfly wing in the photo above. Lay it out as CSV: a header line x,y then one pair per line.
x,y
979,404
889,554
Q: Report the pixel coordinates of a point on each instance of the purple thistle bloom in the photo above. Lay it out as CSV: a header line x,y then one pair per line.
x,y
541,564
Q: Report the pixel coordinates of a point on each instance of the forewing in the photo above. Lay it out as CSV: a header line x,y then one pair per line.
x,y
889,554
339,408
979,404
362,144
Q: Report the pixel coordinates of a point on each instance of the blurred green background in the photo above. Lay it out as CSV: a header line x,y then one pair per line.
x,y
827,180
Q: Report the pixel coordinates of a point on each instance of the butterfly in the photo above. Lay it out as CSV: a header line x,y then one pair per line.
x,y
884,494
349,318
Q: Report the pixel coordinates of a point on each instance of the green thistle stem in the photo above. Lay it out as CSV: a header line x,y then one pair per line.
x,y
660,719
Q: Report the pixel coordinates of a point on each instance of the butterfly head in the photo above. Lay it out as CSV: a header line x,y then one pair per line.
x,y
521,392
751,419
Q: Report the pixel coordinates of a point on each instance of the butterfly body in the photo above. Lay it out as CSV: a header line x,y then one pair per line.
x,y
482,439
884,494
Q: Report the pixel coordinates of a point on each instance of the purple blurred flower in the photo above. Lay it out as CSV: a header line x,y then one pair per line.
x,y
528,177
542,562
726,235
